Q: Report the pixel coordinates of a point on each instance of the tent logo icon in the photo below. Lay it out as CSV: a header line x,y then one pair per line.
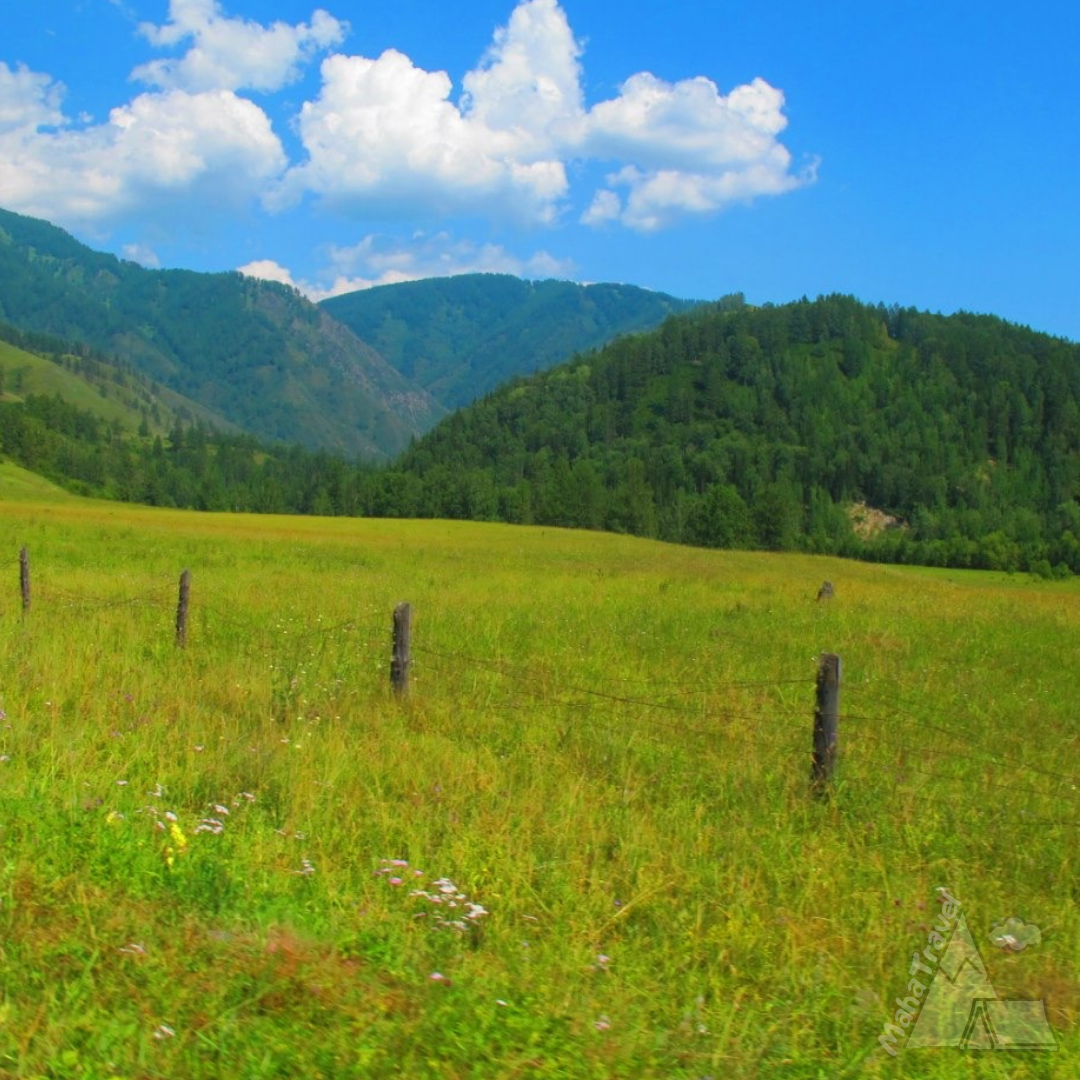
x,y
951,1001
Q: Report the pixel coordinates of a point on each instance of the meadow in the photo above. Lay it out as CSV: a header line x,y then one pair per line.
x,y
585,844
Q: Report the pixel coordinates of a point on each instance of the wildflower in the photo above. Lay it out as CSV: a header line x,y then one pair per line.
x,y
134,948
602,962
121,783
5,757
306,868
113,817
439,977
603,1024
221,809
163,1031
395,881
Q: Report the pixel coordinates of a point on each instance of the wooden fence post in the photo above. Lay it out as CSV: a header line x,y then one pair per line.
x,y
826,722
24,578
182,609
401,658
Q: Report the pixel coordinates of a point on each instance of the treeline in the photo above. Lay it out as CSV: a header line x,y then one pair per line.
x,y
193,467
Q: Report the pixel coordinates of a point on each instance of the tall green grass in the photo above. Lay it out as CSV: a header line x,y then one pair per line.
x,y
606,746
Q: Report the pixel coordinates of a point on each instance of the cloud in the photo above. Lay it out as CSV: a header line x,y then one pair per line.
x,y
28,101
142,255
213,150
690,150
384,137
233,54
527,88
378,260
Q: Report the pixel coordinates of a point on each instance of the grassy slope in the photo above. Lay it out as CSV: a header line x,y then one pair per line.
x,y
40,375
20,485
749,930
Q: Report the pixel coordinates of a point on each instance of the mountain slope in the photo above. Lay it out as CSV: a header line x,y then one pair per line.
x,y
763,426
108,389
256,353
460,337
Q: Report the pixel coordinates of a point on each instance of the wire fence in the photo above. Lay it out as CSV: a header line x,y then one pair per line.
x,y
882,743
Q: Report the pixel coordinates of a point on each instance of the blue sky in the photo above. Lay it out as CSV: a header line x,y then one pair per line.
x,y
924,154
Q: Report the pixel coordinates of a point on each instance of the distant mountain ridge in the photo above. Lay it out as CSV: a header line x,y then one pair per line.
x,y
360,375
460,337
255,353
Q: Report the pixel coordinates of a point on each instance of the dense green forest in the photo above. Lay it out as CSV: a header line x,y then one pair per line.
x,y
460,337
730,426
761,426
192,466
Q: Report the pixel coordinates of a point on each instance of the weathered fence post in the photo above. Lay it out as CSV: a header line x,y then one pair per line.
x,y
182,609
826,722
24,578
401,658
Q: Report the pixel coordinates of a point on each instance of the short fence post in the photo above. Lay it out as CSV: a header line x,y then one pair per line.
x,y
24,578
826,722
401,658
182,609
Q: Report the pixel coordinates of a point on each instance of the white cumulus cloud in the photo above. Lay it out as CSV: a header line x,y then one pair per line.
x,y
380,260
689,149
384,135
231,53
28,101
215,149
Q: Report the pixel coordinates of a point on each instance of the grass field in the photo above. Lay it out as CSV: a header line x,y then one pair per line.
x,y
239,859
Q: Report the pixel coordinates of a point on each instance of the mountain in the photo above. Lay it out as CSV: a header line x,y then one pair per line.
x,y
945,440
254,353
460,337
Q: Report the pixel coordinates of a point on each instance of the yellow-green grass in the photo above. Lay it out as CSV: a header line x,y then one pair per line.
x,y
606,745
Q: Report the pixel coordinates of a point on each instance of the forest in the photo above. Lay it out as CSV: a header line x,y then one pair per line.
x,y
740,426
729,426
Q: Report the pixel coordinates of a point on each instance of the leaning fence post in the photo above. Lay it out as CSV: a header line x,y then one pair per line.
x,y
826,721
182,609
24,578
401,658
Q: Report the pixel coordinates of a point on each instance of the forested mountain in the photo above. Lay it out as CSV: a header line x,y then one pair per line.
x,y
254,353
460,337
741,426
